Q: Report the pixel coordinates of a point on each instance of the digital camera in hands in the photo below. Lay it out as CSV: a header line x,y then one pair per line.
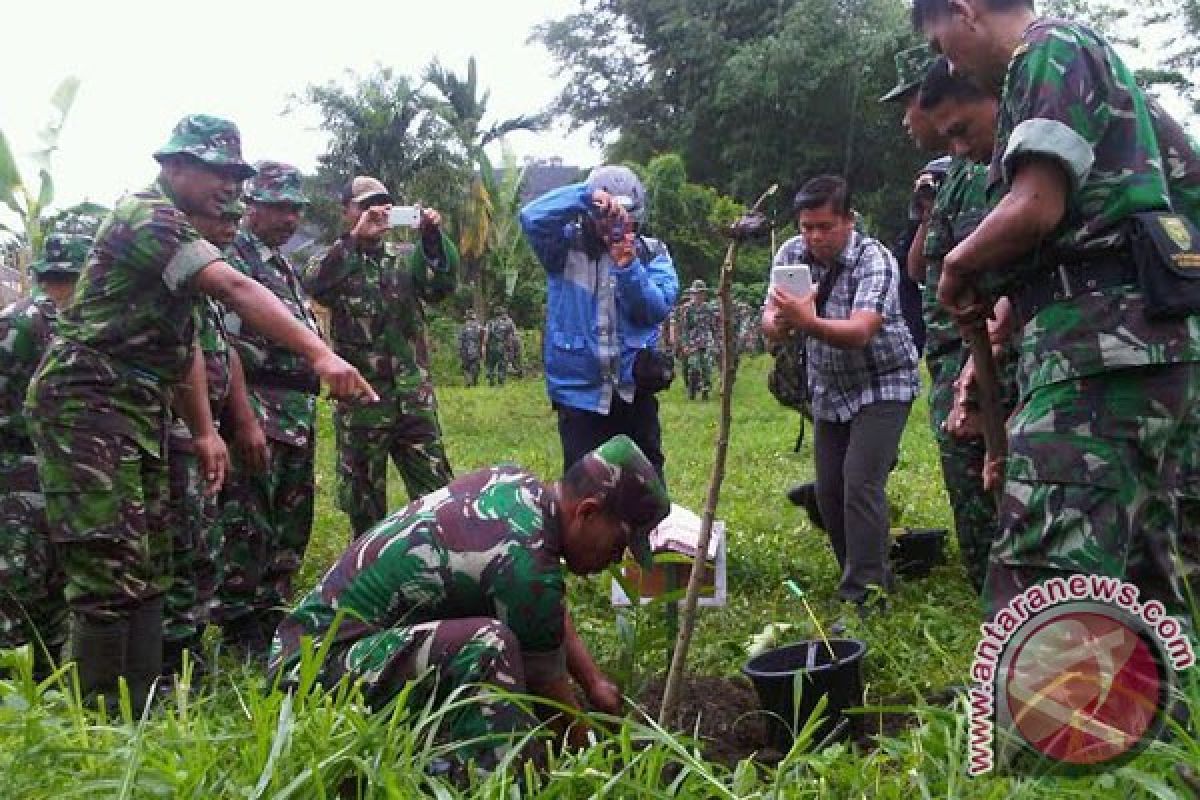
x,y
404,217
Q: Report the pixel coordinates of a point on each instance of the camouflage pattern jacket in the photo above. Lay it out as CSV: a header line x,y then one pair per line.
x,y
470,341
282,385
214,346
127,337
378,320
698,326
501,336
26,328
487,545
1070,98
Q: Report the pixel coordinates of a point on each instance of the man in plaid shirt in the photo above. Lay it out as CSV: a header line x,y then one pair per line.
x,y
862,375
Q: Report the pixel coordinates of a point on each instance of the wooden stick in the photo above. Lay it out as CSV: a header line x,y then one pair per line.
x,y
991,418
728,372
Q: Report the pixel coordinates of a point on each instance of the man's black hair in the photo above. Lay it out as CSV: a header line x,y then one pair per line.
x,y
925,11
822,191
941,84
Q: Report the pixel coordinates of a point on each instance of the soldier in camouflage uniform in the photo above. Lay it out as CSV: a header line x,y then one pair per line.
x,y
470,348
32,607
269,519
498,337
100,400
197,540
470,582
1102,471
698,336
375,290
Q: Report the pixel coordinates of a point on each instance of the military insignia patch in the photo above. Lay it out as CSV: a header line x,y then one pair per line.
x,y
1174,227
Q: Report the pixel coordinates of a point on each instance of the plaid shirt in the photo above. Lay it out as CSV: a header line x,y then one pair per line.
x,y
843,381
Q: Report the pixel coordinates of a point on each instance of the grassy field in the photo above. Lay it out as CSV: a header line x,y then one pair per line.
x,y
229,736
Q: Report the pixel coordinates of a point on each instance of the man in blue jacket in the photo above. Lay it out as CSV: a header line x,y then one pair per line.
x,y
608,290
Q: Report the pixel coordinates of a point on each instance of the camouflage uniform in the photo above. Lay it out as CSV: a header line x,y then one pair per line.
x,y
470,348
960,204
378,325
501,334
467,582
698,334
267,517
196,539
32,606
99,403
1103,470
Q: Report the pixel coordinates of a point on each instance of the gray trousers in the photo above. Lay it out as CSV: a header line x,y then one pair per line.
x,y
853,460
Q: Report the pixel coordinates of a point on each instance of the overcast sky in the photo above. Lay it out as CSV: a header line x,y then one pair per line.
x,y
143,65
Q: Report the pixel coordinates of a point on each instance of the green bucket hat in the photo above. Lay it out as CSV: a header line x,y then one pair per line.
x,y
620,475
276,182
62,254
911,66
213,140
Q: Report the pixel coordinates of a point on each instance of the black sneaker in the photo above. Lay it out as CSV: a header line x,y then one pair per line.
x,y
804,495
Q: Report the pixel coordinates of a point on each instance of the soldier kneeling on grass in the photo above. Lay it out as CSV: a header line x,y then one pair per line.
x,y
466,586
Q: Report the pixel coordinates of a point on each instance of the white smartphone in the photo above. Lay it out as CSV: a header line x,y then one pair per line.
x,y
796,278
404,216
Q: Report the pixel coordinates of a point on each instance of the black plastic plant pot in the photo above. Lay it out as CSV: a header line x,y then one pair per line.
x,y
918,551
790,680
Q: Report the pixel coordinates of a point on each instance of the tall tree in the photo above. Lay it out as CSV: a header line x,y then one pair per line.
x,y
386,126
19,194
465,107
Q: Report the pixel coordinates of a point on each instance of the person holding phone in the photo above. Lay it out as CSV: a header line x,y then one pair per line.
x,y
375,290
608,291
862,375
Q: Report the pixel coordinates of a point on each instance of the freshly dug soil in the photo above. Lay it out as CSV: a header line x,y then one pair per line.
x,y
732,727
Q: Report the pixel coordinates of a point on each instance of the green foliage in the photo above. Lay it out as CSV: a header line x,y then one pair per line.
x,y
20,195
748,92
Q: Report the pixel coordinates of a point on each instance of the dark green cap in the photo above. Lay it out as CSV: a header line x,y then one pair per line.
x,y
911,66
213,140
276,182
62,254
623,479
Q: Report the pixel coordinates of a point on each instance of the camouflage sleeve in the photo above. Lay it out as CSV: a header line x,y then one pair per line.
x,y
19,353
435,269
876,276
529,599
169,241
1053,104
323,275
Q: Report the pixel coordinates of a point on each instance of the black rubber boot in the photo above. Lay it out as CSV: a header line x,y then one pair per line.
x,y
98,650
144,654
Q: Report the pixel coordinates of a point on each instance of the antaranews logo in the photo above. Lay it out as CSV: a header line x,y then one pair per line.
x,y
1076,671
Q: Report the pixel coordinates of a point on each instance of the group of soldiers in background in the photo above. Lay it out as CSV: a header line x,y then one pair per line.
x,y
693,334
497,343
128,526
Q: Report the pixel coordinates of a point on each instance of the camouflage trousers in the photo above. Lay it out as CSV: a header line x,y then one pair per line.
x,y
33,609
1103,477
697,372
443,656
974,507
470,368
106,502
497,369
196,542
266,521
415,445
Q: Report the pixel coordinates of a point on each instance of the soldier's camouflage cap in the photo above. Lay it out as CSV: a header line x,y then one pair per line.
x,y
276,182
63,254
911,66
213,140
698,286
623,479
470,313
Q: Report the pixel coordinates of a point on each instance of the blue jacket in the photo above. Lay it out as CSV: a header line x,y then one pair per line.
x,y
597,315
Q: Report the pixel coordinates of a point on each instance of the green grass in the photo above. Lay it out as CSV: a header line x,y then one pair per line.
x,y
229,736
